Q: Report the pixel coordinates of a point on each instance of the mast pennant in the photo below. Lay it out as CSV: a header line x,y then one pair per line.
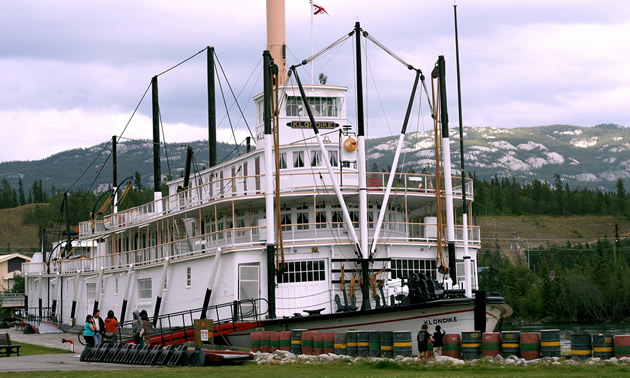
x,y
318,10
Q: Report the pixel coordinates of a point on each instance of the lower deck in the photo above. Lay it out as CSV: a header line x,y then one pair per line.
x,y
311,278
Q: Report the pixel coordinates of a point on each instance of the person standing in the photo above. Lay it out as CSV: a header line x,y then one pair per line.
x,y
146,328
438,340
99,326
423,342
88,331
136,328
111,326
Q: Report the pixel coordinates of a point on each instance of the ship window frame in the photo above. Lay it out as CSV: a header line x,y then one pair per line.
x,y
321,216
316,158
336,216
302,271
298,159
283,160
334,158
459,268
143,290
321,106
286,219
302,217
188,277
400,268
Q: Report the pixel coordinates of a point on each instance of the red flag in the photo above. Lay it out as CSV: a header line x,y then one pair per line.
x,y
319,10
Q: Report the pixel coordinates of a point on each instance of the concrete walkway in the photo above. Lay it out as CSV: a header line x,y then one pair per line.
x,y
52,362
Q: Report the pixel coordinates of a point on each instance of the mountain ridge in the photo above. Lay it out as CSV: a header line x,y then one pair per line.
x,y
592,157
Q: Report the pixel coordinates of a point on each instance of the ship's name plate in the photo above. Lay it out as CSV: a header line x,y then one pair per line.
x,y
307,124
448,319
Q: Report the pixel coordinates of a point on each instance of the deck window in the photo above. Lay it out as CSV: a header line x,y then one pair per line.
x,y
316,158
188,276
334,158
298,159
402,268
285,218
321,219
283,160
303,271
302,217
336,217
145,288
460,270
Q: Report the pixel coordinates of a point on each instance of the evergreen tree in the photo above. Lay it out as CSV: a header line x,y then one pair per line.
x,y
21,199
6,194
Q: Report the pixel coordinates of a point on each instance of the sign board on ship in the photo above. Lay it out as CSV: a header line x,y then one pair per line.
x,y
307,124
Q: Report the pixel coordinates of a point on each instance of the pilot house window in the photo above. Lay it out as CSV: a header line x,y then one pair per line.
x,y
321,106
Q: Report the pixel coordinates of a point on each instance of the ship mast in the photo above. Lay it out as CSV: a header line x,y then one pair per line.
x,y
363,215
467,261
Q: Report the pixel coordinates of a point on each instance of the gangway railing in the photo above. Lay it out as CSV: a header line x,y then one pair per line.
x,y
35,315
176,327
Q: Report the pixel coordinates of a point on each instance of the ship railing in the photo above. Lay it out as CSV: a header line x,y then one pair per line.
x,y
33,267
36,315
242,186
246,310
330,232
391,231
12,299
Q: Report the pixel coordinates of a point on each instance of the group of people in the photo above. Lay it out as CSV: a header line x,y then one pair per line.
x,y
95,328
424,337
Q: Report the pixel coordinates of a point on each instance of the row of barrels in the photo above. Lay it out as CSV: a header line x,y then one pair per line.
x,y
352,343
470,345
533,345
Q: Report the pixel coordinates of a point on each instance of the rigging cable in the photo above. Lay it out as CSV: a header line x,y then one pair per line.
x,y
325,49
235,98
182,62
165,144
228,113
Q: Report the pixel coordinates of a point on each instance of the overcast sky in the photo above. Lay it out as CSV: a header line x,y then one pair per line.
x,y
71,72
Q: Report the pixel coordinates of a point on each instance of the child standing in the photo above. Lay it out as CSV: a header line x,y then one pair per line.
x,y
438,337
423,342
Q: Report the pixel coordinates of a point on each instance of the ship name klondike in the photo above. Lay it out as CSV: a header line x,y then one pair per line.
x,y
307,124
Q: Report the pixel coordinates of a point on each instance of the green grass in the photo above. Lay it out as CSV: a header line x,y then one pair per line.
x,y
33,350
383,368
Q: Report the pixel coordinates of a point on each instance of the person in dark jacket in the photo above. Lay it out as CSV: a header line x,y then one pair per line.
x,y
438,340
423,342
136,327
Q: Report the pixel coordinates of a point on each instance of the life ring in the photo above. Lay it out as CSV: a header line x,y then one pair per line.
x,y
350,144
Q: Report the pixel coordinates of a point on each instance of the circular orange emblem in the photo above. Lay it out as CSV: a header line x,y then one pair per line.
x,y
350,144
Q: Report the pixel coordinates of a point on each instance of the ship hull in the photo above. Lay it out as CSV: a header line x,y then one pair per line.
x,y
453,315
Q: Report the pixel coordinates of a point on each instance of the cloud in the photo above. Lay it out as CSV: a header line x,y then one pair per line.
x,y
44,133
523,63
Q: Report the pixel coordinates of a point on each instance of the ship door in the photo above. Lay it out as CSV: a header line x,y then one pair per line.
x,y
248,285
90,297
